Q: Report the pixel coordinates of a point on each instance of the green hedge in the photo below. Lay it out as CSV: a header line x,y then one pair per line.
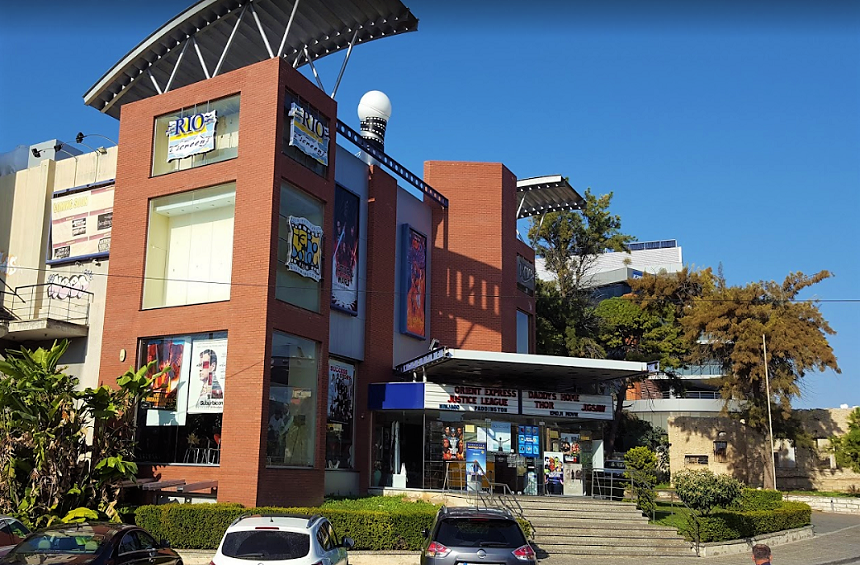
x,y
201,526
755,499
724,525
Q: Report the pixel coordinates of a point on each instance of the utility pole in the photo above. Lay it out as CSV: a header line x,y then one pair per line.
x,y
769,418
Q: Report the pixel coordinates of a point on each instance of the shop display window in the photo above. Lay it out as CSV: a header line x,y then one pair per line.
x,y
194,142
291,431
299,268
341,414
180,420
189,248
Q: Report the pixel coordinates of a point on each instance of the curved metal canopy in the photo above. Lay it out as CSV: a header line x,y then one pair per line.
x,y
216,36
541,195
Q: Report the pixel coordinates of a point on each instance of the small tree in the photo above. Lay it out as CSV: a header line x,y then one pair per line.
x,y
47,469
847,447
642,469
703,491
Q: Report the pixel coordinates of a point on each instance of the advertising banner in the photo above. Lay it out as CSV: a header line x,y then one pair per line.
x,y
528,441
309,133
470,399
191,135
344,283
553,472
167,402
209,367
414,282
453,447
341,381
305,248
81,224
566,405
476,458
570,448
499,437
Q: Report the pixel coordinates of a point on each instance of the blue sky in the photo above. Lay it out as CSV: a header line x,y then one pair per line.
x,y
735,130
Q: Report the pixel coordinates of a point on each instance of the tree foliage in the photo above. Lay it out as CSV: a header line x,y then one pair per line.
x,y
703,491
641,465
847,447
47,468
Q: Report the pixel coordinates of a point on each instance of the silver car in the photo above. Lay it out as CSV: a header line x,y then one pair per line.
x,y
282,540
469,536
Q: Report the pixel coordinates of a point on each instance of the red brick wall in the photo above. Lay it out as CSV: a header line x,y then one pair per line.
x,y
251,312
474,278
379,325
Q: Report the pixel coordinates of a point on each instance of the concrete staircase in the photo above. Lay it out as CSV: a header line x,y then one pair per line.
x,y
584,526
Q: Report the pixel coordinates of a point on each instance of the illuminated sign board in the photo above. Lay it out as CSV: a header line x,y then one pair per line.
x,y
191,135
309,133
471,399
566,405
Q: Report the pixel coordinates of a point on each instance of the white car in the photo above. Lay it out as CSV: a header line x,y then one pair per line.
x,y
284,539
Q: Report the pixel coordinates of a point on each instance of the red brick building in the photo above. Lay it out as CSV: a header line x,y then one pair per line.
x,y
310,307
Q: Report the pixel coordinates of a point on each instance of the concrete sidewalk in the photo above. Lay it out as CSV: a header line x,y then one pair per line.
x,y
836,542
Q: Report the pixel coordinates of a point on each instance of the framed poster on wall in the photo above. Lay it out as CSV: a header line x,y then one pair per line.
x,y
344,283
413,305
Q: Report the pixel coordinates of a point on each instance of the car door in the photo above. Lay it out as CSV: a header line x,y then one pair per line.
x,y
147,543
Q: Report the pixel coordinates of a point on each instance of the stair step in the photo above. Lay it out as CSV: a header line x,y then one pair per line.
x,y
607,541
576,522
551,536
583,513
632,551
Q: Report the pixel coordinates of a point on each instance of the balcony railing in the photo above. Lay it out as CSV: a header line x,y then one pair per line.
x,y
663,395
51,301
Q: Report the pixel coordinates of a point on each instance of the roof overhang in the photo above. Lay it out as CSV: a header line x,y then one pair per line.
x,y
518,370
542,195
225,35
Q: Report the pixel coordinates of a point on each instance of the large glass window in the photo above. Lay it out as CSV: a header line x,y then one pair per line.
x,y
339,426
524,333
299,268
196,136
189,249
291,433
180,421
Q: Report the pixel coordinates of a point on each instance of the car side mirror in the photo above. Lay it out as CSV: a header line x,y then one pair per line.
x,y
348,543
164,543
426,533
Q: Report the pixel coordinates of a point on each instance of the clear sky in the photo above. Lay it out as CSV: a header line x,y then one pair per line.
x,y
734,130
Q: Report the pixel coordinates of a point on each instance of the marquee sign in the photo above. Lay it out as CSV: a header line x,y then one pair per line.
x,y
309,133
471,399
566,405
191,135
305,256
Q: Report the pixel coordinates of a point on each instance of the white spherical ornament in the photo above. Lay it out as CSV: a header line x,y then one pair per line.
x,y
374,104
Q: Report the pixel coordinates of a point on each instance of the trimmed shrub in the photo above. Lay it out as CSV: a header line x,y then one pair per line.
x,y
641,465
703,491
755,499
724,525
201,526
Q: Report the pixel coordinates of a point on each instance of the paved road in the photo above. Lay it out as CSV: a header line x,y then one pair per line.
x,y
836,542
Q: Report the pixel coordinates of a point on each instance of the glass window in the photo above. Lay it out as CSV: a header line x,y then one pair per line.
x,y
523,332
467,532
299,268
196,136
189,249
339,426
306,137
291,433
266,545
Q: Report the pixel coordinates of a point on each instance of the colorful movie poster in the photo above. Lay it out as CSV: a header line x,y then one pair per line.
x,y
344,284
476,458
570,448
341,381
167,402
208,371
553,472
81,224
414,283
453,447
309,133
305,248
191,135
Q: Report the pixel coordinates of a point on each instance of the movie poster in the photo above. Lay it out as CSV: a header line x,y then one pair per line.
x,y
169,397
453,447
570,448
344,284
414,282
305,248
553,472
341,380
208,370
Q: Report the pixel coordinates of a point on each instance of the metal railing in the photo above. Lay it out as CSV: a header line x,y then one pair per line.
x,y
52,301
665,395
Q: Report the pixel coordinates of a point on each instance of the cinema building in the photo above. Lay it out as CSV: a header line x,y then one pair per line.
x,y
329,321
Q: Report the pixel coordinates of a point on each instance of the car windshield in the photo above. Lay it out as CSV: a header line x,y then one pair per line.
x,y
63,541
480,532
266,545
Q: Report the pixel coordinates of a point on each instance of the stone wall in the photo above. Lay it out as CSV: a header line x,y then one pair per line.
x,y
828,503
